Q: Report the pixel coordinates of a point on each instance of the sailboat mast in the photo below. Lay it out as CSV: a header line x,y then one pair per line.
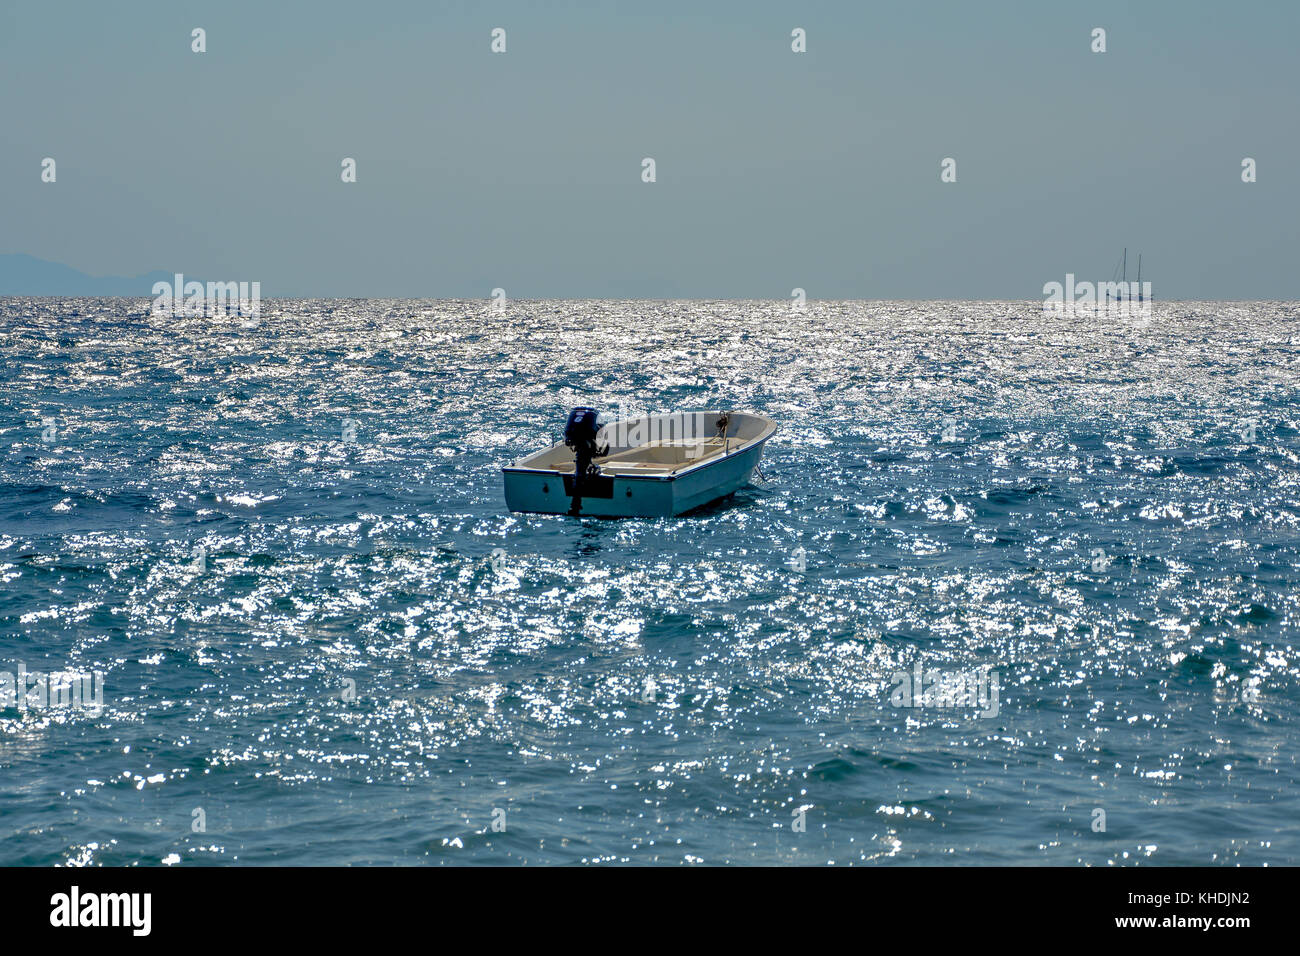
x,y
1139,277
1124,287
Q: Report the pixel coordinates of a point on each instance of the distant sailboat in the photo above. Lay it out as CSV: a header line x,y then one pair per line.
x,y
1126,292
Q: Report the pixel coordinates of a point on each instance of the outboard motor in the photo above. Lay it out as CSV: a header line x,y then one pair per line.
x,y
580,435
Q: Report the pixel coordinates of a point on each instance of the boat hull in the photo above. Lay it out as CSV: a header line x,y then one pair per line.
x,y
634,496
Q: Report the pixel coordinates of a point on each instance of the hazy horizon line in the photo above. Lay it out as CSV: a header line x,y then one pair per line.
x,y
65,273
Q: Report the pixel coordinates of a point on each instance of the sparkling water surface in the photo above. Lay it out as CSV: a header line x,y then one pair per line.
x,y
324,640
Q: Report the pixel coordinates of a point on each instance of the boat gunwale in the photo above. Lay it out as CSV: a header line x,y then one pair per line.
x,y
670,476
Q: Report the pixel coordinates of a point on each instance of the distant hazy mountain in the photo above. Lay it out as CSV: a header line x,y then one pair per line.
x,y
27,275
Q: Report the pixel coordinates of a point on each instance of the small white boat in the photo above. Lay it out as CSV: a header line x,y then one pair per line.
x,y
649,467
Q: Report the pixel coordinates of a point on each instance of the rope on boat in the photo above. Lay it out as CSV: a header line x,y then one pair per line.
x,y
722,425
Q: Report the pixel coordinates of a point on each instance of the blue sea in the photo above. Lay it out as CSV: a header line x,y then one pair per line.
x,y
282,543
